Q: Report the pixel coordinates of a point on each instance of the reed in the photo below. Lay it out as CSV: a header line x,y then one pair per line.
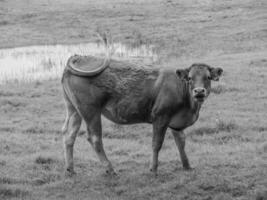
x,y
39,63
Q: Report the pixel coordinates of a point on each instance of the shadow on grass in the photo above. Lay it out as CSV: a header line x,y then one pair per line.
x,y
48,168
44,160
12,192
12,103
259,128
10,181
46,179
38,129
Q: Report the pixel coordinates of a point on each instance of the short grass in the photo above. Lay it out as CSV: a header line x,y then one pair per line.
x,y
227,146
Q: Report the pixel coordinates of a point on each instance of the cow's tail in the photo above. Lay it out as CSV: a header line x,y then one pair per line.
x,y
76,71
109,50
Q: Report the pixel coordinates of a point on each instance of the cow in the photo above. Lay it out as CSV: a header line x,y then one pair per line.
x,y
130,93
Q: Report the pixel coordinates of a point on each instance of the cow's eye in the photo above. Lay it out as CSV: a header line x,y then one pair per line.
x,y
189,78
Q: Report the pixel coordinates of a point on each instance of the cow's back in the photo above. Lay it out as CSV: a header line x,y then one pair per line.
x,y
131,88
123,77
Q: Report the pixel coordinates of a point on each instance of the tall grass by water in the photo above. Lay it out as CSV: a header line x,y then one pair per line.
x,y
38,63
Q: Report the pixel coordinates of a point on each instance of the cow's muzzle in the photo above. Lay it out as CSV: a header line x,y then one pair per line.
x,y
199,94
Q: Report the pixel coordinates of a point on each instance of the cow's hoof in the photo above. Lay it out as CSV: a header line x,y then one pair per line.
x,y
69,173
153,172
110,172
188,168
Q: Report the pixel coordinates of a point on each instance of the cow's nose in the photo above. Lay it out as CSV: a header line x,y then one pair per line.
x,y
199,90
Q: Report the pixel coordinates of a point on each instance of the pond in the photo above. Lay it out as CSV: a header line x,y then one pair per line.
x,y
39,63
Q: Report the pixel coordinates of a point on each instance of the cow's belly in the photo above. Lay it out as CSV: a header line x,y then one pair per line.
x,y
125,112
183,120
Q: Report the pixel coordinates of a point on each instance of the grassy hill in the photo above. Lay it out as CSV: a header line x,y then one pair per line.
x,y
227,146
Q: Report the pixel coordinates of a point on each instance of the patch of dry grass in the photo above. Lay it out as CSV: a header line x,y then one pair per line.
x,y
222,88
39,63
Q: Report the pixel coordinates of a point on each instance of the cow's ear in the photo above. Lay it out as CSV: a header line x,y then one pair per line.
x,y
216,73
182,73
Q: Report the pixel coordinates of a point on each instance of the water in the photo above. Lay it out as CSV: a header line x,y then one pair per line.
x,y
39,63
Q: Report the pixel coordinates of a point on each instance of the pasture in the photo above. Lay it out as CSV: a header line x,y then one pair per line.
x,y
227,147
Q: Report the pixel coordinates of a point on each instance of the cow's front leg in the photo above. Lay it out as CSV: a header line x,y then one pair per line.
x,y
179,138
159,130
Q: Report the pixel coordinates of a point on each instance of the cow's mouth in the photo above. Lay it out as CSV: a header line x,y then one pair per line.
x,y
200,97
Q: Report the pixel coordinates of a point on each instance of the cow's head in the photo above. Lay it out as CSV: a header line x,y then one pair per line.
x,y
199,78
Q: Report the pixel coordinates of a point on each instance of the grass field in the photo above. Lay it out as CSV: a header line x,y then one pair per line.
x,y
227,147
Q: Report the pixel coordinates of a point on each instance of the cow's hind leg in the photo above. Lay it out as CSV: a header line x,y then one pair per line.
x,y
179,138
70,129
94,131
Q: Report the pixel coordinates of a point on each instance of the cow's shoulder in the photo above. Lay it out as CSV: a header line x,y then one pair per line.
x,y
170,94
